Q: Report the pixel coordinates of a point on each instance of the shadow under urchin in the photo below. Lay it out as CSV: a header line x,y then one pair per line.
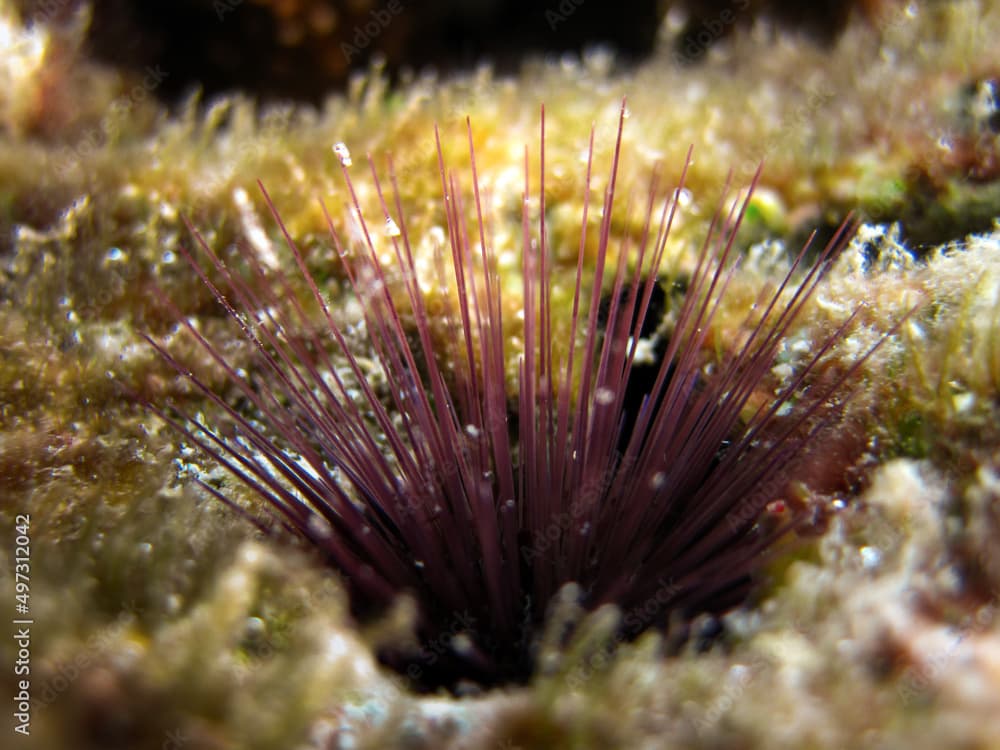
x,y
647,484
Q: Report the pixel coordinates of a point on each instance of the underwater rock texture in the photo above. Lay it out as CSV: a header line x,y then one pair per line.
x,y
161,619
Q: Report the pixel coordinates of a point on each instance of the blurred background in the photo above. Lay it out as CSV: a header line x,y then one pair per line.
x,y
303,49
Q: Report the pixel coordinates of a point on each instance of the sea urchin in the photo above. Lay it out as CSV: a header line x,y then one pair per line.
x,y
480,497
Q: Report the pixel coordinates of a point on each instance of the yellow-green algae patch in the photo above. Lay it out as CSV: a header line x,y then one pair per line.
x,y
160,618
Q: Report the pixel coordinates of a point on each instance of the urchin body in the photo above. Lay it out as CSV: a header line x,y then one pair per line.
x,y
479,497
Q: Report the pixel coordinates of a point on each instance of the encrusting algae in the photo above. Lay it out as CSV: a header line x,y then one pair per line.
x,y
161,617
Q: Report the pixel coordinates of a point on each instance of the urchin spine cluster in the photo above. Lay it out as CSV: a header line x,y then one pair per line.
x,y
427,488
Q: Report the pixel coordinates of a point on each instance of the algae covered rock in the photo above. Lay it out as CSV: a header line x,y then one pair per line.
x,y
161,618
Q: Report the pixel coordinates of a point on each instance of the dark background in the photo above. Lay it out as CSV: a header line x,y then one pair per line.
x,y
297,49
